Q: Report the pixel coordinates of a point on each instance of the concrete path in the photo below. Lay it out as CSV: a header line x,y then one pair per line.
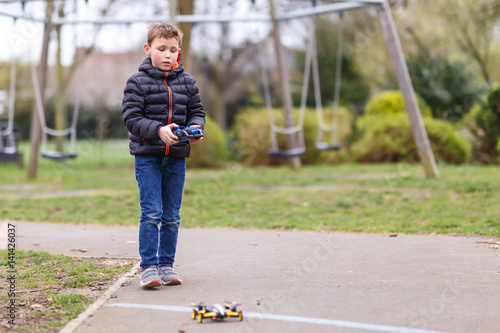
x,y
295,281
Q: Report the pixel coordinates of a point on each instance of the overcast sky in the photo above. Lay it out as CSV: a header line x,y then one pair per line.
x,y
24,38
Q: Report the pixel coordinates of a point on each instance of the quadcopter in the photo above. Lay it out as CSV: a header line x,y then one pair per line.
x,y
187,133
216,311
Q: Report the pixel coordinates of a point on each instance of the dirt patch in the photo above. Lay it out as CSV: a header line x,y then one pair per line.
x,y
48,307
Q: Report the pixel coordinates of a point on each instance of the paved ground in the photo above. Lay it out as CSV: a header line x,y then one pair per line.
x,y
296,281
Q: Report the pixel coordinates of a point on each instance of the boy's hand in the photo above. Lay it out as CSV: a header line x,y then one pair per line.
x,y
166,135
196,140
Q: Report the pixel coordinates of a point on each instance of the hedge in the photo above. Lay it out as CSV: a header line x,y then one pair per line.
x,y
391,102
481,126
251,133
390,139
212,151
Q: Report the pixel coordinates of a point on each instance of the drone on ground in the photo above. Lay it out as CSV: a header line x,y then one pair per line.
x,y
216,311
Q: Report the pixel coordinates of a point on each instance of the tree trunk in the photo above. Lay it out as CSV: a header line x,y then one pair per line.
x,y
186,7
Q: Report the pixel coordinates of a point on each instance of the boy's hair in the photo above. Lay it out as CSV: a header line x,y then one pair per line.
x,y
165,30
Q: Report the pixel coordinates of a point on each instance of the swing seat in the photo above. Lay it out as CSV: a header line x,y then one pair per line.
x,y
323,146
287,153
58,156
8,151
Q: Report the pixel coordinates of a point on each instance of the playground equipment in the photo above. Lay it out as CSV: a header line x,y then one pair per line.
x,y
388,28
297,130
321,142
46,131
8,144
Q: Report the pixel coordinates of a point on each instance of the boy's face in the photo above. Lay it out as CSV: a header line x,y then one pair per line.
x,y
163,52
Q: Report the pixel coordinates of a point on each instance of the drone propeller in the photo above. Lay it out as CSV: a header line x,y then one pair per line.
x,y
197,304
231,305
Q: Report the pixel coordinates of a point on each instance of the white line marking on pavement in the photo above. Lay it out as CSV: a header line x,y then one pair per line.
x,y
308,320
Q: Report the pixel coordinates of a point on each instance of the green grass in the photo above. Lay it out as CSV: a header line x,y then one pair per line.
x,y
72,304
39,269
64,307
351,197
49,281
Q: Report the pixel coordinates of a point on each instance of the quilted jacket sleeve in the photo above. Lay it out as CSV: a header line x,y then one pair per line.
x,y
133,113
195,113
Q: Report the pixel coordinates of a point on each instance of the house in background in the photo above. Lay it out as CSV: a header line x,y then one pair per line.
x,y
99,83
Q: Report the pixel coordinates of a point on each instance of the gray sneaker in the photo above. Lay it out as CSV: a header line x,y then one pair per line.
x,y
150,278
168,276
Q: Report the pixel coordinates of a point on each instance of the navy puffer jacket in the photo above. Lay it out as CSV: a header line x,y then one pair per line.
x,y
155,98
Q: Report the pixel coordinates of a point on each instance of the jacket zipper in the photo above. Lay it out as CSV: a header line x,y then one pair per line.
x,y
170,111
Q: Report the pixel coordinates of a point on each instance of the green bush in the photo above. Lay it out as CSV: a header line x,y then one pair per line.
x,y
449,86
482,127
390,139
251,132
212,151
488,119
391,102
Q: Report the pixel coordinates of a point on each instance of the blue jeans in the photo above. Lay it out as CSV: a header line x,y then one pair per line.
x,y
161,182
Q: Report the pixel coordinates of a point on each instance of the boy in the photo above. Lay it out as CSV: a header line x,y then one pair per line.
x,y
158,98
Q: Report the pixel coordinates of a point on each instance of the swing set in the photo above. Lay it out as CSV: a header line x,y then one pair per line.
x,y
46,131
8,144
291,130
9,152
295,132
322,144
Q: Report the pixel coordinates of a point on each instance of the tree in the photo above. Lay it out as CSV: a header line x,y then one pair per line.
x,y
448,86
64,75
470,25
186,7
460,30
487,118
473,23
220,66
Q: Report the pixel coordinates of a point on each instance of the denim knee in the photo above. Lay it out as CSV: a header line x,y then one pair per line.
x,y
168,223
149,220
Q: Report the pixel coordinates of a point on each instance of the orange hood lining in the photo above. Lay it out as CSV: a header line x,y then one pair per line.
x,y
178,62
